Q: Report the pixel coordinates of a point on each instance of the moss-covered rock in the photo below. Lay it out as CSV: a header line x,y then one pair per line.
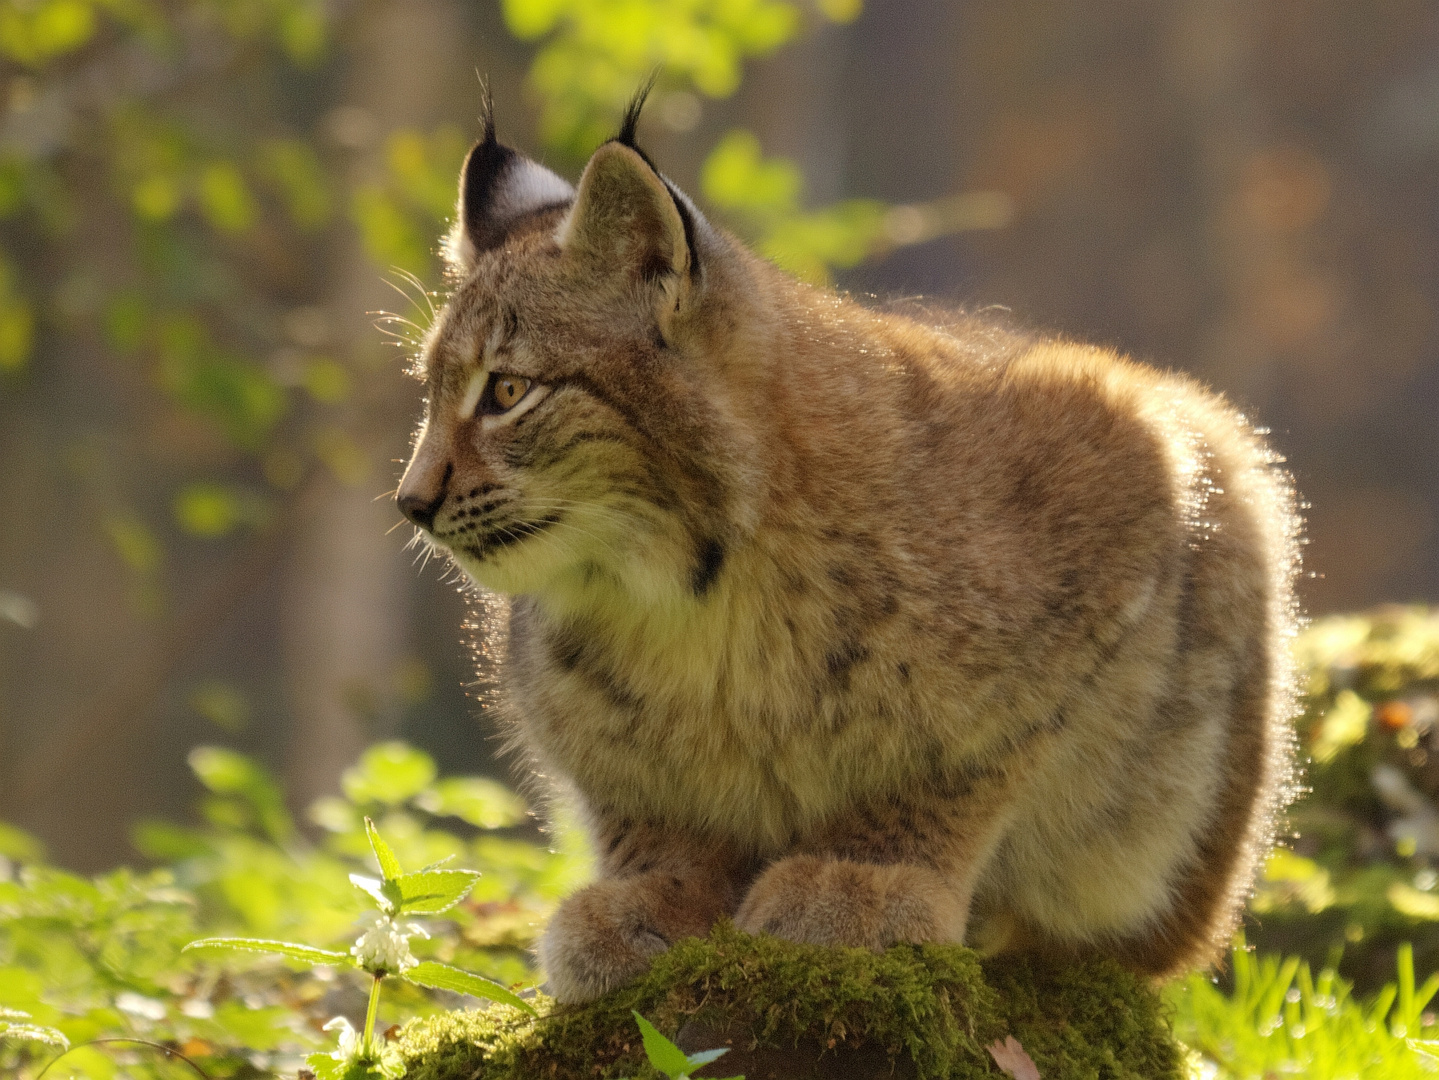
x,y
931,1009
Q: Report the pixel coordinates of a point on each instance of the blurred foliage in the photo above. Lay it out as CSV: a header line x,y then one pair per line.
x,y
593,53
1360,873
100,957
763,196
164,184
174,173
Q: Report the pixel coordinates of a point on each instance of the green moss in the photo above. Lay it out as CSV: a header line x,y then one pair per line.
x,y
936,1004
1089,1020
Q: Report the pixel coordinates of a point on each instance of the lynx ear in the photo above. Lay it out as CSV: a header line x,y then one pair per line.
x,y
498,186
627,219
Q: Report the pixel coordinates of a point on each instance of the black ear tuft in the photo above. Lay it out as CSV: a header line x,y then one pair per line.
x,y
631,122
480,180
498,187
487,113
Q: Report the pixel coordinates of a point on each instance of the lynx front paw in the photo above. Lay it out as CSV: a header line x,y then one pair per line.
x,y
599,938
821,901
606,934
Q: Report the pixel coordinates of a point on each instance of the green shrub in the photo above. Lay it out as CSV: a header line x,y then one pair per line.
x,y
1358,877
100,958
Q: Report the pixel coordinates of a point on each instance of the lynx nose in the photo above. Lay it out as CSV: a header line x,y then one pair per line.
x,y
420,502
419,511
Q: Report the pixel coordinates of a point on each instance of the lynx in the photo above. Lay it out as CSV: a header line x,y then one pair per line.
x,y
856,628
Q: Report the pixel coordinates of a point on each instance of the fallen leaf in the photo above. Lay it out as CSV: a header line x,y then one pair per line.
x,y
1012,1059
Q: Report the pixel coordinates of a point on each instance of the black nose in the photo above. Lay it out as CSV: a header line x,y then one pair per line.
x,y
419,511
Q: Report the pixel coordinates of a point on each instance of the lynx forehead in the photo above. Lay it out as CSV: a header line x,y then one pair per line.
x,y
857,628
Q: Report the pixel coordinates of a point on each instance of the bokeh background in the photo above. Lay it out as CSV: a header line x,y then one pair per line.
x,y
204,204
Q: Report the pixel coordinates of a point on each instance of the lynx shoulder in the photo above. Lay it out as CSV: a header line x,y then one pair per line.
x,y
857,629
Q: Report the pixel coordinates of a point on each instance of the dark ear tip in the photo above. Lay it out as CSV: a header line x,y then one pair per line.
x,y
487,113
630,125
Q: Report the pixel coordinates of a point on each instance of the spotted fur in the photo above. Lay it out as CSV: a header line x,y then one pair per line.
x,y
856,628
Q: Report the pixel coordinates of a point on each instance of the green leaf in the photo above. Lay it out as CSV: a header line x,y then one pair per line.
x,y
225,198
226,772
126,319
529,19
704,1057
18,844
1345,724
390,773
34,33
840,11
389,865
164,842
478,800
439,976
327,381
328,1066
737,177
663,1054
34,1033
429,892
305,953
136,542
382,892
221,704
390,235
238,394
17,323
265,1028
303,32
295,169
213,510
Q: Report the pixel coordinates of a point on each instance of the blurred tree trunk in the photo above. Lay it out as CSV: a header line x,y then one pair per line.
x,y
348,587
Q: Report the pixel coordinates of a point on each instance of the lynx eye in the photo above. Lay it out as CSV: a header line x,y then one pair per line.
x,y
505,392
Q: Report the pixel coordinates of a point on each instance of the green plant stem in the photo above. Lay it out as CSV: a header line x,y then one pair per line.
x,y
368,1042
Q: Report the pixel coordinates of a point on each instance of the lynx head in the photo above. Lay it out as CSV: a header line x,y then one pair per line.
x,y
574,429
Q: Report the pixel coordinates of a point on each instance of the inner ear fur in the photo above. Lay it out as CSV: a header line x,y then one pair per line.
x,y
498,186
626,219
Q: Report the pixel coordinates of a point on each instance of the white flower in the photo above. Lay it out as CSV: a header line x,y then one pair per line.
x,y
349,1039
386,1058
385,947
139,1005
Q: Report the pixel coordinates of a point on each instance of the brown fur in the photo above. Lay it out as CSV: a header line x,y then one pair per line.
x,y
858,629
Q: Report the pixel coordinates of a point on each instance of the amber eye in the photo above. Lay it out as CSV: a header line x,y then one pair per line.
x,y
505,393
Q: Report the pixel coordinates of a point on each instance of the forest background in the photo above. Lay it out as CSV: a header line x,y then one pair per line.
x,y
203,204
218,652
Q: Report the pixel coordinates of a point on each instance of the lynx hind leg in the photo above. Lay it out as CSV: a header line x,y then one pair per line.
x,y
820,900
655,888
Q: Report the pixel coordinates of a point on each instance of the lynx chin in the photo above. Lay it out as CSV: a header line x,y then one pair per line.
x,y
853,627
